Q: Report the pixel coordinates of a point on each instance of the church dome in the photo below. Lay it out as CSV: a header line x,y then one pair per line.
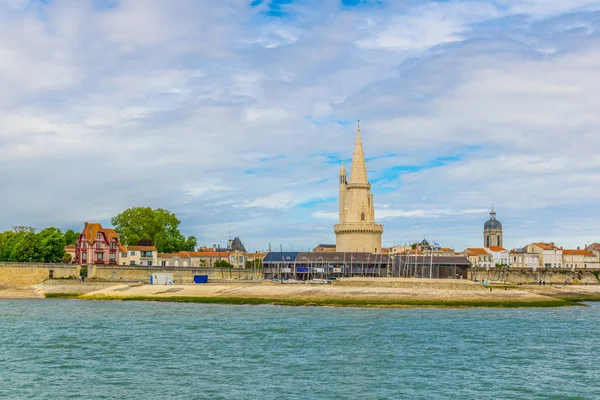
x,y
492,223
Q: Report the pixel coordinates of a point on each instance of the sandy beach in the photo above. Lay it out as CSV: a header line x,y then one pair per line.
x,y
378,292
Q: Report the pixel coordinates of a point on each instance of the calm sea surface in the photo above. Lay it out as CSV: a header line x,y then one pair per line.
x,y
69,349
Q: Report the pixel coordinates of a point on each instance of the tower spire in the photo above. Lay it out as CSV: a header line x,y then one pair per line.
x,y
358,173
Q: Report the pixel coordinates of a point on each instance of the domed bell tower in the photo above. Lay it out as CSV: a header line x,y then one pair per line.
x,y
492,231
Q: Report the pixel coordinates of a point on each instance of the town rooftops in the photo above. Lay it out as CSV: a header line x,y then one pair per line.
x,y
327,246
495,248
547,246
140,248
476,251
579,253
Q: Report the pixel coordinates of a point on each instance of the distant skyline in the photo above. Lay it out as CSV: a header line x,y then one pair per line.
x,y
235,115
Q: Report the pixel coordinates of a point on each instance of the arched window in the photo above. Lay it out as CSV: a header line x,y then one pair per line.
x,y
499,244
362,216
487,241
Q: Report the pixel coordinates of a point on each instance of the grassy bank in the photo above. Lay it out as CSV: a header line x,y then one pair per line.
x,y
551,302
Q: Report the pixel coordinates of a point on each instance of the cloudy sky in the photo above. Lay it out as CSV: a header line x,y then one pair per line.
x,y
236,114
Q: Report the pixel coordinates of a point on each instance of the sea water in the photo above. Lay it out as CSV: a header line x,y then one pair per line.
x,y
70,349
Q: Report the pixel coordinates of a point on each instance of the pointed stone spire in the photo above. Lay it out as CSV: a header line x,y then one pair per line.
x,y
359,169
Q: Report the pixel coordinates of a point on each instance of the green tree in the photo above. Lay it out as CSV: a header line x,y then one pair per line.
x,y
190,244
71,237
157,224
254,264
53,244
222,264
67,258
27,249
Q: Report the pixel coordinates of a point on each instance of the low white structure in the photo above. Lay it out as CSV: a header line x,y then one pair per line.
x,y
161,279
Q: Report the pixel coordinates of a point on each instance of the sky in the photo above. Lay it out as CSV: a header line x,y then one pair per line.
x,y
236,114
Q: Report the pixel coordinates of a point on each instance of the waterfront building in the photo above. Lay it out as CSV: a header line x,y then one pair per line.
x,y
479,257
323,265
138,255
579,259
324,247
357,230
549,255
174,260
594,248
97,245
492,231
519,258
499,254
426,266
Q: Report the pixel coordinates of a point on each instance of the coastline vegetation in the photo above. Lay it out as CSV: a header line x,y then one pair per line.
x,y
553,302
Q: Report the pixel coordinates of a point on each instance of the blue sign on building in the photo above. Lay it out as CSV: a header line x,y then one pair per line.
x,y
302,269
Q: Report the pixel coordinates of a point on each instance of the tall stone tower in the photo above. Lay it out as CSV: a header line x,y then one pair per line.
x,y
357,230
492,231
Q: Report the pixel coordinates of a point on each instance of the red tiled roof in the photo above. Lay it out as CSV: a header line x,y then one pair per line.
x,y
579,253
476,251
547,246
140,248
496,248
91,230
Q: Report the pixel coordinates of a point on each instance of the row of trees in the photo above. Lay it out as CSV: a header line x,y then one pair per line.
x,y
23,244
135,226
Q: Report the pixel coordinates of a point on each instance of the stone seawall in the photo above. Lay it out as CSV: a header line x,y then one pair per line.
x,y
528,275
26,274
134,273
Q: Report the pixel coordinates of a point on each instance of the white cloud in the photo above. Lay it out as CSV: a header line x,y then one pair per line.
x,y
231,118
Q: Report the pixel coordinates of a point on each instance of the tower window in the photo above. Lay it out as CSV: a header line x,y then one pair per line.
x,y
362,216
487,241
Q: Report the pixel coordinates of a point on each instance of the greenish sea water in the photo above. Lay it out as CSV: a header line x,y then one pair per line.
x,y
71,349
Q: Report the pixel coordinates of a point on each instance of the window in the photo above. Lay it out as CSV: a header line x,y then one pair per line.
x,y
112,257
132,253
362,216
84,256
99,256
369,201
98,245
163,263
515,259
149,263
498,238
124,254
131,262
84,244
487,241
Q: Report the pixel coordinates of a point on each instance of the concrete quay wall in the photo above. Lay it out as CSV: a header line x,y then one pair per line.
x,y
134,273
26,274
529,275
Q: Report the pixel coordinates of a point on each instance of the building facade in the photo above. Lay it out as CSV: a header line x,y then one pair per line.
x,y
492,231
579,259
479,257
549,255
138,255
324,247
521,259
357,230
97,245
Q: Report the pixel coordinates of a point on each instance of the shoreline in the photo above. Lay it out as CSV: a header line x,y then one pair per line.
x,y
353,292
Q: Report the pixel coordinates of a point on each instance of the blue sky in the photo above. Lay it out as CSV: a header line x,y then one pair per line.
x,y
235,115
